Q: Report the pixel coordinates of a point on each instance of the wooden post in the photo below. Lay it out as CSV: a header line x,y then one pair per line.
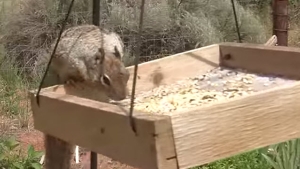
x,y
280,21
96,12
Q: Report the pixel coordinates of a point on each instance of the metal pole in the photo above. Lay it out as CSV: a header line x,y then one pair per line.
x,y
280,21
94,162
96,12
96,21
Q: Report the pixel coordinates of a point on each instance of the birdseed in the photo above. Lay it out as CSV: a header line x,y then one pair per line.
x,y
215,85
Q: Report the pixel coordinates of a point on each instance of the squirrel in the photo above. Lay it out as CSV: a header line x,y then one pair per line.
x,y
100,72
78,50
88,58
87,37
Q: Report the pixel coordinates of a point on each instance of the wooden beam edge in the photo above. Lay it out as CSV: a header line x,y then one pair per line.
x,y
170,57
88,103
258,46
258,58
216,141
165,145
154,139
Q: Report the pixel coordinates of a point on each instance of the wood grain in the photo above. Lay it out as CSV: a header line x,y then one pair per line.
x,y
170,69
105,129
210,133
258,58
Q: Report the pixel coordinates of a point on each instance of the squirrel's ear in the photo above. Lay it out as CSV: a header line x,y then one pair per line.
x,y
99,57
117,53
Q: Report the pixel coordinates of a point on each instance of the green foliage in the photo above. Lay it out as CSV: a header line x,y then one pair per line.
x,y
250,26
167,28
10,156
285,155
249,160
13,95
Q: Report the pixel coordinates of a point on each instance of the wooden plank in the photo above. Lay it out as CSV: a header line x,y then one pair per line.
x,y
257,58
210,133
87,91
176,67
105,129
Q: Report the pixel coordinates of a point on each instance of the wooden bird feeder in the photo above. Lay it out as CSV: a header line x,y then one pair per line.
x,y
189,138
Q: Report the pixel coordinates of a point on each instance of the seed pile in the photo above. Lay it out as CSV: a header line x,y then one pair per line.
x,y
215,85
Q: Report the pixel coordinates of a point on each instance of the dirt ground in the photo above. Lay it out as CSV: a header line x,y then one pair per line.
x,y
30,136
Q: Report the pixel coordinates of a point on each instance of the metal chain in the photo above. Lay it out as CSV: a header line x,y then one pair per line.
x,y
236,21
136,62
53,52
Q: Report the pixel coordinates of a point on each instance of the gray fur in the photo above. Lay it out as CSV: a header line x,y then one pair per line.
x,y
78,56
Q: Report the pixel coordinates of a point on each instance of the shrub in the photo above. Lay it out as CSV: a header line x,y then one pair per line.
x,y
13,95
31,29
167,28
250,26
10,156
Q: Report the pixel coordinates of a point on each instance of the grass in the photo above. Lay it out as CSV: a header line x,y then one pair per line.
x,y
13,93
14,105
249,160
285,155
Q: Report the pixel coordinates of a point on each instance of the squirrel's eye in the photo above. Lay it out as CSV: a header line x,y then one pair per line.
x,y
105,80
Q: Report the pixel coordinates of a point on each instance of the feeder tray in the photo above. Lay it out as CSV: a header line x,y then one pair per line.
x,y
194,131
